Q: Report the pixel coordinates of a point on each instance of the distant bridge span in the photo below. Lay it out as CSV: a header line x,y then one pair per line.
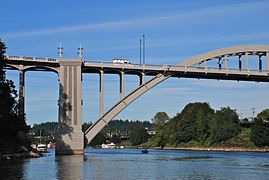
x,y
232,63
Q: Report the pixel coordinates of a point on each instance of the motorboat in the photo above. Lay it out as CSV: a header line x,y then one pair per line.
x,y
108,146
144,151
51,145
41,147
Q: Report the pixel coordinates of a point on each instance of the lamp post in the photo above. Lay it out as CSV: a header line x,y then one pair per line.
x,y
80,49
144,50
60,50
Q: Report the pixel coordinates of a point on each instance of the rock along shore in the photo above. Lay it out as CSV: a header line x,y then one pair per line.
x,y
24,155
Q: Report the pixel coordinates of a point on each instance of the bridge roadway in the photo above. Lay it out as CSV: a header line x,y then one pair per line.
x,y
178,71
26,63
210,65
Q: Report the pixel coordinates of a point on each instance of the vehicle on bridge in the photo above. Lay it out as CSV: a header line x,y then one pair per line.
x,y
121,61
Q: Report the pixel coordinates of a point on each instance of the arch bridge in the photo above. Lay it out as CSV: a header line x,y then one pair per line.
x,y
242,63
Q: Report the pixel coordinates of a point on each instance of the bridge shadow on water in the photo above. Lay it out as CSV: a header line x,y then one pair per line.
x,y
69,167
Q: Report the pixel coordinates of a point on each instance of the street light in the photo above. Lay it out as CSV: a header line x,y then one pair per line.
x,y
144,50
60,50
80,49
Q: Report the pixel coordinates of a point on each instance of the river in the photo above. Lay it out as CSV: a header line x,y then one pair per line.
x,y
132,164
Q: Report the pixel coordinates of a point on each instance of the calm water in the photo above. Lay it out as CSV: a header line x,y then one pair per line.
x,y
132,164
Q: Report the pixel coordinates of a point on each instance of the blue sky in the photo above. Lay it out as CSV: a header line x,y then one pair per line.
x,y
174,30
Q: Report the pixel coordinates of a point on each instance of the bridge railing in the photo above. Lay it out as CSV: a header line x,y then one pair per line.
x,y
144,66
138,66
30,58
224,70
205,69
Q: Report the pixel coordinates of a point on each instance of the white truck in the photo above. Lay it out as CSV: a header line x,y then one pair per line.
x,y
121,61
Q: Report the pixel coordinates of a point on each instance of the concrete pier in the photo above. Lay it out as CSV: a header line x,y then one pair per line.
x,y
70,138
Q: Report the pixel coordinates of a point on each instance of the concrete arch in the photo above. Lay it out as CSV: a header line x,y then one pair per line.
x,y
122,104
116,109
15,67
116,71
132,72
90,70
29,68
224,51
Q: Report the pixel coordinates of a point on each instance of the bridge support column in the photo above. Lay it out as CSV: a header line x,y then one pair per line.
x,y
226,62
142,79
101,90
267,61
240,62
121,85
260,62
219,62
21,92
246,61
70,138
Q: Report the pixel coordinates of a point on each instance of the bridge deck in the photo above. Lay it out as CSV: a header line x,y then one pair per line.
x,y
150,70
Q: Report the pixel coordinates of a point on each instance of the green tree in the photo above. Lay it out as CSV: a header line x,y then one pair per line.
x,y
260,133
12,121
138,134
45,129
264,115
159,119
115,138
224,125
85,126
195,120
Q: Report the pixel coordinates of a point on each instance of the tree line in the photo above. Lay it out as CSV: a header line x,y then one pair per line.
x,y
122,131
200,125
196,125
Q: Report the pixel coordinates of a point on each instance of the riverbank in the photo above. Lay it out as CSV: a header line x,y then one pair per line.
x,y
21,153
224,149
25,155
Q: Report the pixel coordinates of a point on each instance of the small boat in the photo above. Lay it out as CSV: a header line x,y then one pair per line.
x,y
42,147
144,151
51,145
108,146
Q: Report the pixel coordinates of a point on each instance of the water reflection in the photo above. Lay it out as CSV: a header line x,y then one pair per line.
x,y
69,167
132,164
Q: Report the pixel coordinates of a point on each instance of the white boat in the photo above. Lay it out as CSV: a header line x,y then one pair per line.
x,y
51,145
108,146
42,147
